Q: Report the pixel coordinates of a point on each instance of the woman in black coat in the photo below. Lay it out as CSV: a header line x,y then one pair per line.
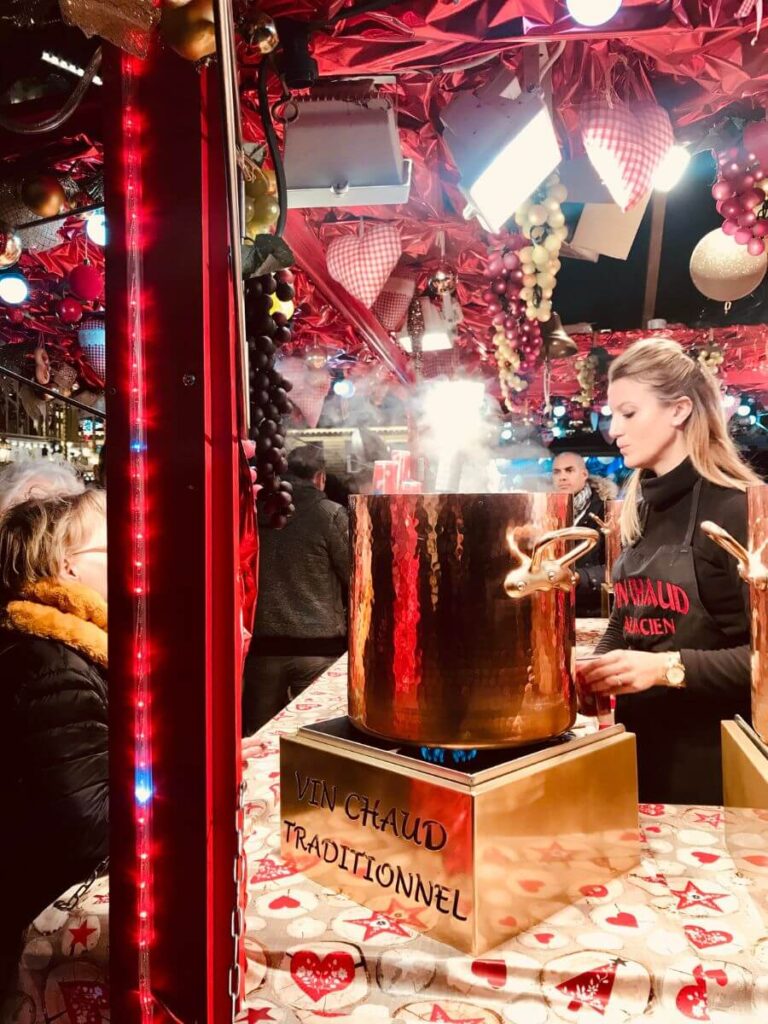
x,y
53,703
676,652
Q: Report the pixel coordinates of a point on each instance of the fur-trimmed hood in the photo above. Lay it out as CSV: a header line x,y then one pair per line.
x,y
71,613
604,488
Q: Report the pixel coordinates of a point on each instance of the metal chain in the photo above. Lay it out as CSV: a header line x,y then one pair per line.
x,y
70,903
237,927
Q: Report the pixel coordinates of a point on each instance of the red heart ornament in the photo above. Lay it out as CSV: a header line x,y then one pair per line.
x,y
626,145
705,858
492,971
363,265
623,920
531,884
318,977
544,937
284,903
703,939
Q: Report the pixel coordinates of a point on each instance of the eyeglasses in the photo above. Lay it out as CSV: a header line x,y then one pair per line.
x,y
89,551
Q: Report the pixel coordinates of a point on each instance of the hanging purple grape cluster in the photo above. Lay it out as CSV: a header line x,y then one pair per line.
x,y
267,330
740,192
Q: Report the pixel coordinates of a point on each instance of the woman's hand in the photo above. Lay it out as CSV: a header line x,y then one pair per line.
x,y
624,671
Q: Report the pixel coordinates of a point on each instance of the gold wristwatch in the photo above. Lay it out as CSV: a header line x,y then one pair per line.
x,y
674,674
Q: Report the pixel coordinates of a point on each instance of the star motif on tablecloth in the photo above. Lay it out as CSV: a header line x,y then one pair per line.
x,y
407,915
102,898
554,852
380,924
693,896
80,934
258,1015
439,1014
715,820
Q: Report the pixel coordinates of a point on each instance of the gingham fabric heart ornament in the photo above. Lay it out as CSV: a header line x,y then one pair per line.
x,y
626,143
363,264
391,306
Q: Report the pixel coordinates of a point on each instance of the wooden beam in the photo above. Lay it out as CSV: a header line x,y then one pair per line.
x,y
658,216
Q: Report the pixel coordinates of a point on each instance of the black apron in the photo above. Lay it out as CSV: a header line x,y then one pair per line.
x,y
678,732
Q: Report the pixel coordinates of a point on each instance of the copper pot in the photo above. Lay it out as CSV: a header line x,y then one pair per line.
x,y
753,569
462,617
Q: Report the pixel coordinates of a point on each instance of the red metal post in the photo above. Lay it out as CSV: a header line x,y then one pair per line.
x,y
192,613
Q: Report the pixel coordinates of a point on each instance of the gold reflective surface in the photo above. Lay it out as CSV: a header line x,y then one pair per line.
x,y
473,859
440,654
753,569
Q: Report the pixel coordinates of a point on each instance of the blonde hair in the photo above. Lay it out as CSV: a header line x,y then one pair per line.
x,y
36,537
662,365
26,479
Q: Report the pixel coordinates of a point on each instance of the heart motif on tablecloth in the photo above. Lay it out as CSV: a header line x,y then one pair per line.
x,y
284,903
626,145
363,265
703,939
623,920
492,971
705,857
320,976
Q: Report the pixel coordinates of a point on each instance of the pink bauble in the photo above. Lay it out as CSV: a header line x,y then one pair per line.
x,y
732,208
69,310
730,227
489,295
500,286
756,247
760,230
498,319
743,236
752,197
511,260
721,190
494,267
756,139
746,220
732,171
516,275
86,282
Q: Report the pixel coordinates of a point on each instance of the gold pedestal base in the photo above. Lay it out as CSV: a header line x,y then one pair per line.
x,y
473,853
745,790
745,766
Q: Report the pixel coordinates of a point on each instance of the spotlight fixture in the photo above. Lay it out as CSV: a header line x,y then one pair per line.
x,y
342,148
558,410
14,288
606,410
745,407
344,388
96,228
671,169
592,12
504,145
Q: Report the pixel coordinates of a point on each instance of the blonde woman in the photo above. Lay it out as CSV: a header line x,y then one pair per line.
x,y
53,702
676,651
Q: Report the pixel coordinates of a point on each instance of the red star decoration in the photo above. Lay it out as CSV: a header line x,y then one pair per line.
x,y
408,915
555,852
380,924
715,820
693,896
80,934
439,1014
255,1016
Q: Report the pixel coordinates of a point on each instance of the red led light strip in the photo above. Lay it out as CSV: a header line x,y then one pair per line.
x,y
143,789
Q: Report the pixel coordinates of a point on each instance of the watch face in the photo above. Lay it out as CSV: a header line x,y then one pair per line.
x,y
675,675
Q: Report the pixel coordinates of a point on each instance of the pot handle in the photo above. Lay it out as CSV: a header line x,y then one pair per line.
x,y
750,563
541,574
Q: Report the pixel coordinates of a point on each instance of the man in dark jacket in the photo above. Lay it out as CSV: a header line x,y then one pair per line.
x,y
301,623
570,474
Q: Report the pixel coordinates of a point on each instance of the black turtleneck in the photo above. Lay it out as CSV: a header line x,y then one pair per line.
x,y
664,513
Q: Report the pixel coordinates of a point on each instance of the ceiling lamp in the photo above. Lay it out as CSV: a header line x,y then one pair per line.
x,y
342,148
592,12
437,335
504,145
671,169
96,228
14,288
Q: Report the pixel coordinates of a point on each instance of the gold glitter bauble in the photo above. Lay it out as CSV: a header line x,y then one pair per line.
x,y
723,270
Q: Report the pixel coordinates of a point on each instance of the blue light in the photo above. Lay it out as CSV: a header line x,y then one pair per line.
x,y
137,446
436,755
558,411
506,434
557,431
143,790
344,388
